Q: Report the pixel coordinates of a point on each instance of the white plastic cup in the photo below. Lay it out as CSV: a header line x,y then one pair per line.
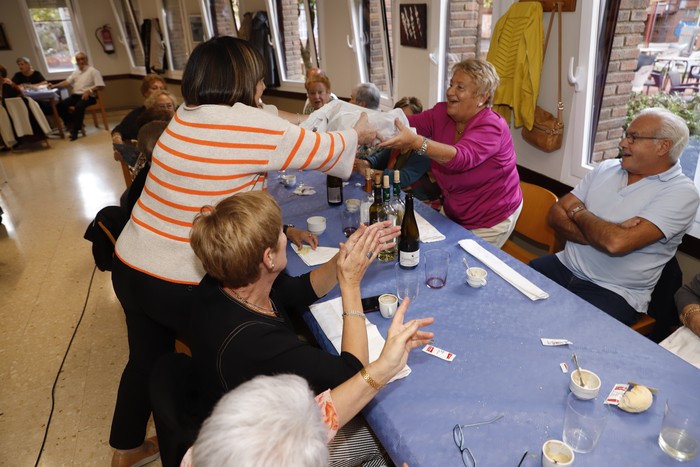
x,y
316,224
557,453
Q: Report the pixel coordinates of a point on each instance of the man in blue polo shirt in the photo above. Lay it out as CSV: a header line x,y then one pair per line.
x,y
625,220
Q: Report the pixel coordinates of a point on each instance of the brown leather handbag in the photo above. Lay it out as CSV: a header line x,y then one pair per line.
x,y
547,132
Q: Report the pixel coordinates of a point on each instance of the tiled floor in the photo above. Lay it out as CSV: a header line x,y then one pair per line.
x,y
46,273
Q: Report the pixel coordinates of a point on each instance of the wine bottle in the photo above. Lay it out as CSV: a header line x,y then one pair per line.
x,y
367,198
376,213
409,245
334,190
396,201
388,254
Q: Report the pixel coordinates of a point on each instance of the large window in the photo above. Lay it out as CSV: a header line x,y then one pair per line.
x,y
129,19
294,29
52,21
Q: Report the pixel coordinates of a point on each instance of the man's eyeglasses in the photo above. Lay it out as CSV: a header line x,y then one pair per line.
x,y
458,436
633,137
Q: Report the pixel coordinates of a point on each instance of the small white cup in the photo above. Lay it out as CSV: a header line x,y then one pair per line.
x,y
476,277
591,382
316,224
289,179
388,303
557,453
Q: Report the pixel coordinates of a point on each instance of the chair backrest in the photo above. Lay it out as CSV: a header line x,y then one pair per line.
x,y
675,78
532,223
640,77
662,306
171,388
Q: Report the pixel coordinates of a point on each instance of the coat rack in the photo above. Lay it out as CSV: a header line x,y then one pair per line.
x,y
551,5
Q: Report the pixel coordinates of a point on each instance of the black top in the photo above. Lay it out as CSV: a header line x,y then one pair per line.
x,y
34,78
127,127
231,344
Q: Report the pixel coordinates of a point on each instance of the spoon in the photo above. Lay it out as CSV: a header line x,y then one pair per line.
x,y
464,260
578,368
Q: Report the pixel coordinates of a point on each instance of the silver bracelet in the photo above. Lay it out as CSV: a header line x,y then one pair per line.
x,y
354,313
423,147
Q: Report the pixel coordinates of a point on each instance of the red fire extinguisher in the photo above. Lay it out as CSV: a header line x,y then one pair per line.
x,y
104,37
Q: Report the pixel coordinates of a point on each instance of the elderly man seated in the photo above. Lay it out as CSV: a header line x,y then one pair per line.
x,y
685,342
625,220
366,95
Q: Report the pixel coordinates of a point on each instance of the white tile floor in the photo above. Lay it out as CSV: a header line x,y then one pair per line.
x,y
49,196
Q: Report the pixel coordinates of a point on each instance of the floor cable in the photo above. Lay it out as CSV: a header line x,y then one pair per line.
x,y
60,368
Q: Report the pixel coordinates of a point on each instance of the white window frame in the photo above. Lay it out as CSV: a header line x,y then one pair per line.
x,y
135,69
184,19
286,83
77,21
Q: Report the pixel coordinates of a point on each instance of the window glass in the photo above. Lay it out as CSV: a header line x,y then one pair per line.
x,y
53,27
375,25
294,25
174,25
129,19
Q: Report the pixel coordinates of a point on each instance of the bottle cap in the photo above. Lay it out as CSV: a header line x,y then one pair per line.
x,y
397,176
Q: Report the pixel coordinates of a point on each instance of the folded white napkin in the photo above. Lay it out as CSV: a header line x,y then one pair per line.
x,y
329,316
428,233
320,255
506,272
304,190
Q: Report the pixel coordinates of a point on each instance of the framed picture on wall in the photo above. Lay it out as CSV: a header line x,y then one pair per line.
x,y
4,44
414,25
196,29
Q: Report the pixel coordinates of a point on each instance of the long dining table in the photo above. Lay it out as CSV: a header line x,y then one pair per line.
x,y
501,365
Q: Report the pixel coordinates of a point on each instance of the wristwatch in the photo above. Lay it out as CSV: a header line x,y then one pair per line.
x,y
285,227
573,212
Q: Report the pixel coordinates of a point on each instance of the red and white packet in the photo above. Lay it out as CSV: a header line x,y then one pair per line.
x,y
439,353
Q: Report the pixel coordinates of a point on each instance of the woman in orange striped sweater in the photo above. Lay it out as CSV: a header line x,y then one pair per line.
x,y
219,143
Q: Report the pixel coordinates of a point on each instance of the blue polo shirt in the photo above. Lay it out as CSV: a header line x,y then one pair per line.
x,y
668,200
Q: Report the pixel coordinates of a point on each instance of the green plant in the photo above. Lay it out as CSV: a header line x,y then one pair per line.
x,y
688,110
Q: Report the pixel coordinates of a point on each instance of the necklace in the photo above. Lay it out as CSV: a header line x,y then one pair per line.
x,y
252,306
459,132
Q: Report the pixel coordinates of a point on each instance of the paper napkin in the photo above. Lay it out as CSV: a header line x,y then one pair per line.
x,y
329,316
428,233
502,269
320,255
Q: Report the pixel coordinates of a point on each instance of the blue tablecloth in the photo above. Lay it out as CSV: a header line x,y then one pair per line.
x,y
501,365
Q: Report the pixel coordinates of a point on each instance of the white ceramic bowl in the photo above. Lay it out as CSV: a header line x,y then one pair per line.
x,y
557,453
316,224
591,381
476,277
289,179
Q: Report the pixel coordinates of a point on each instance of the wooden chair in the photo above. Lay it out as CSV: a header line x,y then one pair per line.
x,y
532,223
93,109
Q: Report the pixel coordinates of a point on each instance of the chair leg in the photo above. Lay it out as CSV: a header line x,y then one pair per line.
x,y
104,118
94,119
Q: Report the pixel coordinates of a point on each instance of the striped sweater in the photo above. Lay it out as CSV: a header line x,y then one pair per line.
x,y
206,154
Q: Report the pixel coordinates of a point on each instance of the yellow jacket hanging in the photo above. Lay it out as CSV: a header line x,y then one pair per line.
x,y
516,51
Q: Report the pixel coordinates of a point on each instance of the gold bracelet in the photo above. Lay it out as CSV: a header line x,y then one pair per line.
x,y
354,313
688,312
370,380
